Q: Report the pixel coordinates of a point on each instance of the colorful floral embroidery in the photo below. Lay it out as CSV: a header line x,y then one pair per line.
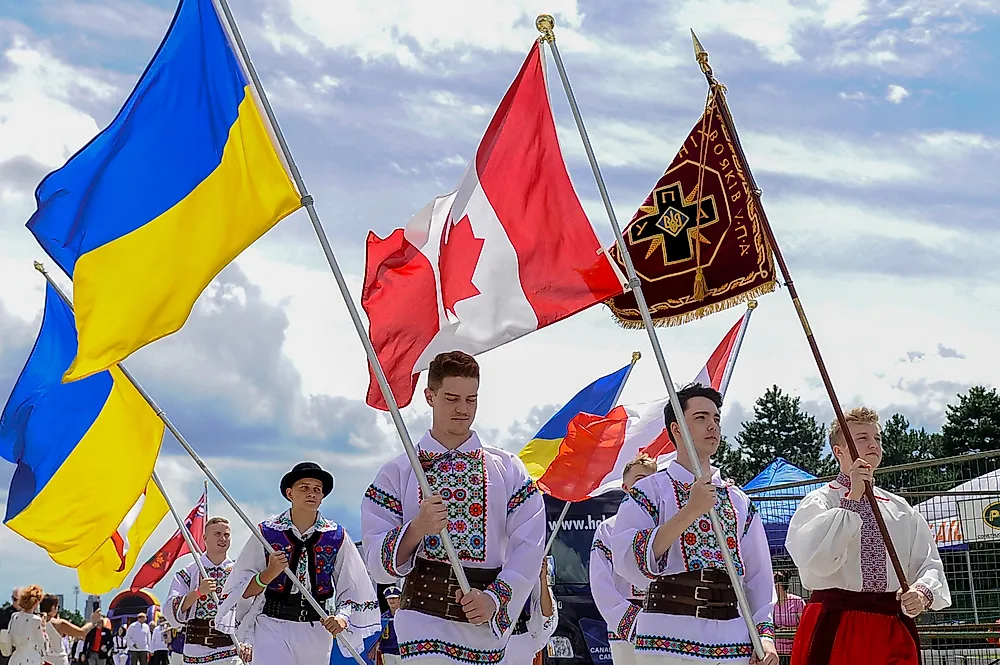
x,y
628,619
207,609
453,651
699,546
766,629
388,552
925,592
526,491
751,511
695,649
211,657
460,479
183,574
640,546
380,497
645,503
601,547
504,593
355,606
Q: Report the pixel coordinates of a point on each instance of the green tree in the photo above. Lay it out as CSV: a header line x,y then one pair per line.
x,y
781,428
901,444
730,464
974,424
74,617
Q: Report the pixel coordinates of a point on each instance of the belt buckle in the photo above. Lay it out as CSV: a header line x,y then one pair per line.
x,y
697,611
302,614
701,576
697,597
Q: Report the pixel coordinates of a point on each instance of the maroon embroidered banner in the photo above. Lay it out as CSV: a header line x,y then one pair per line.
x,y
697,241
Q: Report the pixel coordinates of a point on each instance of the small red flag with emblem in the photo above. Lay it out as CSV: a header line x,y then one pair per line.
x,y
158,565
509,252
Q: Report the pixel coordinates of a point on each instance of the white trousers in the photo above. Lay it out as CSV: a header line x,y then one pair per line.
x,y
277,642
622,653
665,659
391,659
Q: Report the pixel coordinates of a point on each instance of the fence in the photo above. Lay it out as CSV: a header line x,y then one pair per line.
x,y
960,498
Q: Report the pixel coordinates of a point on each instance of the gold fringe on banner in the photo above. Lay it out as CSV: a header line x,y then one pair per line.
x,y
687,317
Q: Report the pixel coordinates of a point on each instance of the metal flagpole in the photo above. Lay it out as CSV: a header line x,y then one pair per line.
x,y
545,24
728,373
562,516
308,203
320,610
702,56
193,546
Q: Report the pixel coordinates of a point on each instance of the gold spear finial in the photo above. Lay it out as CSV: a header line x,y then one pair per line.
x,y
752,304
546,24
700,54
635,357
40,267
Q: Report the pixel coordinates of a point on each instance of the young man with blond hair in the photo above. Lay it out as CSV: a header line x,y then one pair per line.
x,y
616,598
493,512
663,538
857,612
190,604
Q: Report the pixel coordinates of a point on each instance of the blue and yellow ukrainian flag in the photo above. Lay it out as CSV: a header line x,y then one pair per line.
x,y
84,451
597,399
152,209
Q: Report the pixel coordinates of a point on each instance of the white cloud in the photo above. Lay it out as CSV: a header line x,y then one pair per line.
x,y
113,17
897,93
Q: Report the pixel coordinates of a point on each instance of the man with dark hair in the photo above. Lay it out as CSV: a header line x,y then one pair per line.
x,y
280,623
493,512
663,538
190,604
616,598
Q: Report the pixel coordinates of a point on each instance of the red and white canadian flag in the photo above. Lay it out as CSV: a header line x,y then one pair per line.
x,y
509,252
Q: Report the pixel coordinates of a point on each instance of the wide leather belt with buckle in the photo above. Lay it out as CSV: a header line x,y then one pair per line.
x,y
430,588
290,608
705,594
203,633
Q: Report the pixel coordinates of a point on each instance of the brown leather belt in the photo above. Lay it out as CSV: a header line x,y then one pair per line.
x,y
430,588
203,633
705,594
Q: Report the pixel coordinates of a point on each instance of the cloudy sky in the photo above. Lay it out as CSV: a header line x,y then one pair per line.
x,y
871,127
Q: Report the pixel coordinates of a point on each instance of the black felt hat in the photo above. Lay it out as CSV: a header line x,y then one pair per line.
x,y
306,470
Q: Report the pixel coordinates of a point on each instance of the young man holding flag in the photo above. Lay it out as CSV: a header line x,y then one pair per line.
x,y
281,625
857,612
663,538
493,513
190,603
616,598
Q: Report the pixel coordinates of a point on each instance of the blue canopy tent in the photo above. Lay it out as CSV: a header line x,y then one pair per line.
x,y
776,514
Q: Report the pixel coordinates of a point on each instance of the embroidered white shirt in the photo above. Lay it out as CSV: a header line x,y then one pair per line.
x,y
611,591
836,544
651,503
496,520
186,580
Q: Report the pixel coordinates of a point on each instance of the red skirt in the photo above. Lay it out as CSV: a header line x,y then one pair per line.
x,y
851,628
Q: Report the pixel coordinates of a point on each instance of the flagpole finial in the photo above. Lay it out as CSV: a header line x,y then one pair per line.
x,y
700,54
752,304
635,357
546,24
40,267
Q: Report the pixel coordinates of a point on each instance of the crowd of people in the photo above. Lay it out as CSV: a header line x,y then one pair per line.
x,y
658,571
33,633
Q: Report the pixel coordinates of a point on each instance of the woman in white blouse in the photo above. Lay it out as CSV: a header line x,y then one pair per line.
x,y
26,632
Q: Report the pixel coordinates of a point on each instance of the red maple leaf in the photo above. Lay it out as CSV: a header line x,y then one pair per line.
x,y
457,262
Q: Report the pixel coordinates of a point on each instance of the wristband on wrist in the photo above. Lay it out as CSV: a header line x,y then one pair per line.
x,y
256,578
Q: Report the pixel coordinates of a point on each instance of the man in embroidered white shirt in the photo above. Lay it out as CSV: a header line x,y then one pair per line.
x,y
616,599
280,624
857,613
663,539
138,637
190,603
493,513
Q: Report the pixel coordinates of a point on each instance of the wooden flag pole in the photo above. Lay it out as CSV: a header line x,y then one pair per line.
x,y
545,24
720,91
